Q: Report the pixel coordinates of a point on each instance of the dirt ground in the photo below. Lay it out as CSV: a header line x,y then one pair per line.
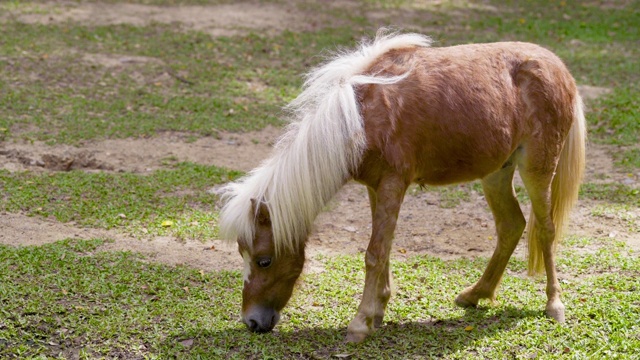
x,y
424,227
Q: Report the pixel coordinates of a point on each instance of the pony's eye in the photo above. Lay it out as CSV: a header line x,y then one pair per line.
x,y
264,262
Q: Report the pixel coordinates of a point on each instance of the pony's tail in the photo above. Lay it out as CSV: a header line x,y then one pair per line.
x,y
564,187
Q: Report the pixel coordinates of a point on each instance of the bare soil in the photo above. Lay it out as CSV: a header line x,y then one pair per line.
x,y
216,20
424,227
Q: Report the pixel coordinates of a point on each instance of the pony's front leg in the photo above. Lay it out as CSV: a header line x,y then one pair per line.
x,y
385,205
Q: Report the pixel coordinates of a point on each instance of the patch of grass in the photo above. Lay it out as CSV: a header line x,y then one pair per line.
x,y
620,212
614,118
64,300
131,100
69,299
449,196
628,159
612,258
171,201
51,90
610,192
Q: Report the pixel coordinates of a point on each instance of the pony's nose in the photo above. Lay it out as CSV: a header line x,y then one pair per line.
x,y
261,320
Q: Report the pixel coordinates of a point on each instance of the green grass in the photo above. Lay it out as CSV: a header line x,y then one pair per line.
x,y
612,193
614,120
449,196
70,298
130,202
628,159
77,99
184,81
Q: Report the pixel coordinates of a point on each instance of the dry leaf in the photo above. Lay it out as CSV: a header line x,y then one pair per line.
x,y
468,328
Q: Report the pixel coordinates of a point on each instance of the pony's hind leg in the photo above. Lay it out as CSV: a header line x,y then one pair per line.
x,y
538,185
385,206
510,223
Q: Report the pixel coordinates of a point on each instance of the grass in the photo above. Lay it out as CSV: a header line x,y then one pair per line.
x,y
449,196
81,100
172,201
72,300
614,121
69,299
611,192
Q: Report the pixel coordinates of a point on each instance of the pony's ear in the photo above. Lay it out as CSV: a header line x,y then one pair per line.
x,y
261,211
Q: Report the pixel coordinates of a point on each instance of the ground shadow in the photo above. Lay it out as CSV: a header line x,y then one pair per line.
x,y
434,338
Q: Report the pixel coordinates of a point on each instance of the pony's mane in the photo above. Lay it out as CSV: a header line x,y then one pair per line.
x,y
322,144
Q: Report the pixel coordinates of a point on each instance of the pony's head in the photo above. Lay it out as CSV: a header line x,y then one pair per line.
x,y
270,211
269,275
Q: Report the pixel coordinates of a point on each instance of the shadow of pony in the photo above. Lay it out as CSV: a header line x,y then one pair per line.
x,y
435,338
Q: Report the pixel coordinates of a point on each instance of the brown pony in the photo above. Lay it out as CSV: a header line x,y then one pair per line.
x,y
395,112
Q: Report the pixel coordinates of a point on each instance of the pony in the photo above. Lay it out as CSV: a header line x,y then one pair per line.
x,y
396,111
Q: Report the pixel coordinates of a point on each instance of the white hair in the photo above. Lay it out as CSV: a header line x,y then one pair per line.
x,y
314,158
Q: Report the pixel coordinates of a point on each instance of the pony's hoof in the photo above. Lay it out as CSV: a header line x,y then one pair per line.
x,y
355,337
556,311
464,301
359,328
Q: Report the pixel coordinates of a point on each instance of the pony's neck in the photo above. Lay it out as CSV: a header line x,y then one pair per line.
x,y
304,174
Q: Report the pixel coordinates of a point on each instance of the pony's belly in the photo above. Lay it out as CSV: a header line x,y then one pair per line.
x,y
446,177
439,173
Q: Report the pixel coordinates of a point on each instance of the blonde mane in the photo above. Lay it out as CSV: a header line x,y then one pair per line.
x,y
314,158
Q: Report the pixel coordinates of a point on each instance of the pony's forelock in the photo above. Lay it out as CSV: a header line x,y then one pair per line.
x,y
322,144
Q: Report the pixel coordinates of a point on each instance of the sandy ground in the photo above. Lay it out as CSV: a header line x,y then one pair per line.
x,y
424,227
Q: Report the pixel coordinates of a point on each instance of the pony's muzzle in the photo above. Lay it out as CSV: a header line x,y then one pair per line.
x,y
260,319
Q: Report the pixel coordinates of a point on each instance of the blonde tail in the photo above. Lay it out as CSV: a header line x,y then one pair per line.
x,y
564,188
